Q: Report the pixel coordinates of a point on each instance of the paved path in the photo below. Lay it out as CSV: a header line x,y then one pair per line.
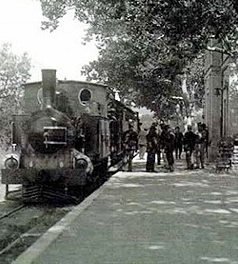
x,y
183,217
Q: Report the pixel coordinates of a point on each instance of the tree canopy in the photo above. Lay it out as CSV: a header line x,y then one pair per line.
x,y
145,44
14,72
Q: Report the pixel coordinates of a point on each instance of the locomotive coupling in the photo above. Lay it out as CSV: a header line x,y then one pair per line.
x,y
12,161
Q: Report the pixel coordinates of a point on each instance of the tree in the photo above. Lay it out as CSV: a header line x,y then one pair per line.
x,y
144,43
14,72
195,79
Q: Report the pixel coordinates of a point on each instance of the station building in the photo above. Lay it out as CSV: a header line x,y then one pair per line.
x,y
221,95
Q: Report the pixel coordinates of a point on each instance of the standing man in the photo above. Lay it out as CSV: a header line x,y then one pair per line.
x,y
169,143
130,142
162,144
200,147
189,145
142,142
178,142
151,149
206,135
159,131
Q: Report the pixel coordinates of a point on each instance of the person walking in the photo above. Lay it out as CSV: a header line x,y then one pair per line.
x,y
130,142
178,142
151,149
142,142
169,144
189,145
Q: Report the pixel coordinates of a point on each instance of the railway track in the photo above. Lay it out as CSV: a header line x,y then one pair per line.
x,y
23,225
5,215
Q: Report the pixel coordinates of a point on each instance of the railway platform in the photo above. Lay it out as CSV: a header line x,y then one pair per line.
x,y
180,217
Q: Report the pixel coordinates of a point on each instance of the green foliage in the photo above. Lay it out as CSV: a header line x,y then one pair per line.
x,y
14,72
195,79
145,43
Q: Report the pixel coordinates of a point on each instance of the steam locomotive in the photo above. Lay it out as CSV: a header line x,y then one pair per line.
x,y
70,135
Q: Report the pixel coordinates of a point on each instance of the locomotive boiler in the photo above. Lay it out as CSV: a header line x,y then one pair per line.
x,y
70,134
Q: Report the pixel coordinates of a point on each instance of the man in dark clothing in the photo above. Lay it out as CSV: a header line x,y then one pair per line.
x,y
162,143
200,146
178,142
151,149
189,144
169,143
130,141
142,142
205,131
159,131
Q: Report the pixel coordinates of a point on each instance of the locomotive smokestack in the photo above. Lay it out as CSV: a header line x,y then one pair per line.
x,y
48,87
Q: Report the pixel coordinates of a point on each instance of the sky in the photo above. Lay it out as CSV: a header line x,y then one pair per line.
x,y
62,49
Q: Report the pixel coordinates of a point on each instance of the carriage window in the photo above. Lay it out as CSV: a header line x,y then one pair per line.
x,y
85,95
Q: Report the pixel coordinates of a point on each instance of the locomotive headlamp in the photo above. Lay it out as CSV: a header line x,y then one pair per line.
x,y
81,164
11,162
61,164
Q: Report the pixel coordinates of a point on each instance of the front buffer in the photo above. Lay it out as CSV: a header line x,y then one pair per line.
x,y
55,177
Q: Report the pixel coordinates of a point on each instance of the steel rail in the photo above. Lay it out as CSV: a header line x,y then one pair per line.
x,y
12,212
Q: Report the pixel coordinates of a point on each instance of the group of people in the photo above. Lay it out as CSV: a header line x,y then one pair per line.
x,y
162,141
196,146
159,141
